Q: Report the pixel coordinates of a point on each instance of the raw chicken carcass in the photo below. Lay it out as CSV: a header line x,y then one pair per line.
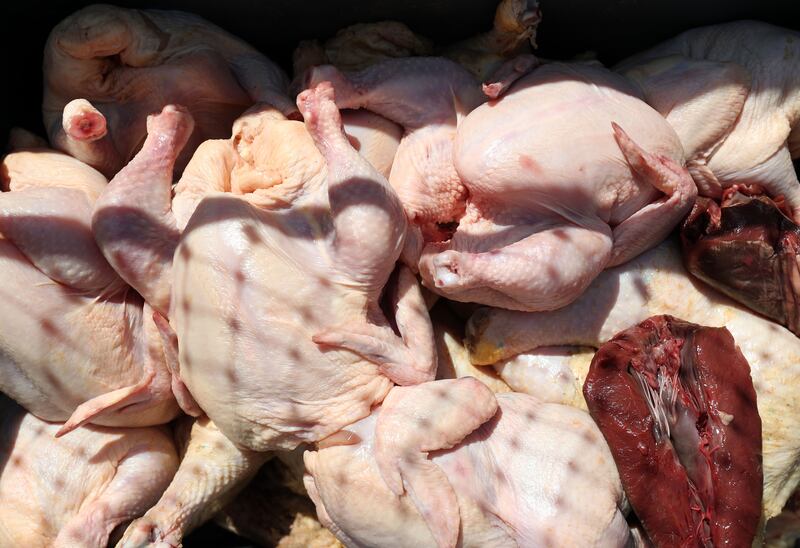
x,y
557,190
267,161
730,91
71,330
73,492
211,472
106,68
652,284
281,336
427,96
536,474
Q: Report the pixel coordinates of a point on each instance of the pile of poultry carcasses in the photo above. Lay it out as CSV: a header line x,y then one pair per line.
x,y
417,295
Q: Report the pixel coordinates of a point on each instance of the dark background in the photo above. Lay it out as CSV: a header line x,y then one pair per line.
x,y
613,29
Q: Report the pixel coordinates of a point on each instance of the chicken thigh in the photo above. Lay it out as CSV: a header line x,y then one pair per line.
x,y
557,190
71,330
106,68
656,283
535,474
211,472
730,91
73,492
281,336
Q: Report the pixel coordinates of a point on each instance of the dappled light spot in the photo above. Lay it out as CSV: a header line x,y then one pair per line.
x,y
234,324
230,374
572,465
53,380
251,233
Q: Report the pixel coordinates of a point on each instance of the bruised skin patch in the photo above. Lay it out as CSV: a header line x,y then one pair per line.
x,y
677,407
529,164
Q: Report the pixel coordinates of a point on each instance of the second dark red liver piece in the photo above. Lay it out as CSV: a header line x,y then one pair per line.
x,y
748,249
677,407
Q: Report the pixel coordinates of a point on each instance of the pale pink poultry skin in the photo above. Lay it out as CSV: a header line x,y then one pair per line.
x,y
554,198
211,472
107,68
281,337
71,330
535,474
427,96
268,162
654,283
730,91
268,159
73,492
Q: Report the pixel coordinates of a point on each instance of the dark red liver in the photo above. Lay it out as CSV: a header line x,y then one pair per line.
x,y
692,479
748,249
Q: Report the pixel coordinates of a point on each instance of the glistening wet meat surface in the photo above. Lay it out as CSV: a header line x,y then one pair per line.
x,y
747,248
677,407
